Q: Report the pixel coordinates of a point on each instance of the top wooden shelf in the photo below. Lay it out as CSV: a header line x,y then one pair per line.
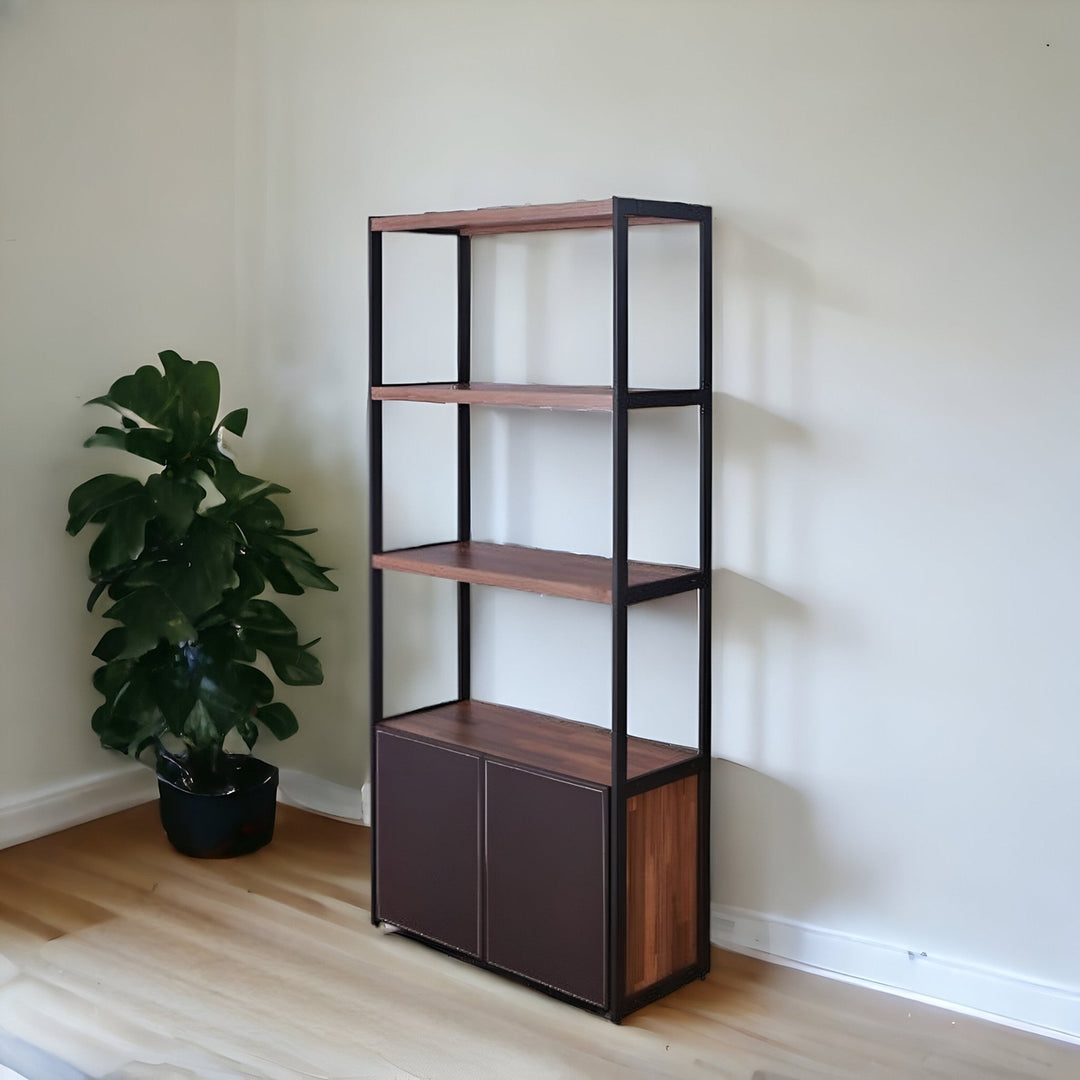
x,y
594,214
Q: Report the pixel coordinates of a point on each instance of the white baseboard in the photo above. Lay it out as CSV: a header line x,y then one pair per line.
x,y
308,792
59,806
1003,997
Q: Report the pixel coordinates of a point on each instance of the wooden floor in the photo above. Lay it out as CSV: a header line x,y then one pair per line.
x,y
122,959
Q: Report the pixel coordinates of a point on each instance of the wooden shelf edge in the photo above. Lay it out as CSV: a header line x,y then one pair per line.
x,y
541,741
540,217
519,395
581,398
583,214
536,570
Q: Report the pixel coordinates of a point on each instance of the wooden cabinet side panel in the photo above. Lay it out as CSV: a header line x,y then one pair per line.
x,y
427,813
661,882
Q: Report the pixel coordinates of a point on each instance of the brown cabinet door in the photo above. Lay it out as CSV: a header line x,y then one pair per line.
x,y
427,859
546,873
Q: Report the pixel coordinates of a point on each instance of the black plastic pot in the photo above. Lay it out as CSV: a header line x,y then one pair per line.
x,y
219,825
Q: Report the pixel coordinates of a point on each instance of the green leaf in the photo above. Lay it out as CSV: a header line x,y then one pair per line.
x,y
145,394
261,516
222,643
174,366
251,684
199,729
310,576
111,644
112,437
100,493
95,592
252,581
266,618
175,501
220,702
237,487
172,676
248,731
150,614
196,571
293,665
150,443
111,678
280,579
236,421
279,720
133,718
122,537
294,560
195,404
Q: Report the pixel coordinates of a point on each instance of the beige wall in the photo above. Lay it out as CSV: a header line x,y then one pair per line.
x,y
116,241
893,185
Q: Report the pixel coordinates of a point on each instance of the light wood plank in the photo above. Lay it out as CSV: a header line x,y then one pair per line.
x,y
268,967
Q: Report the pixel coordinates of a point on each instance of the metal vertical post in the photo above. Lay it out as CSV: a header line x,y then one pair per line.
x,y
464,459
705,593
375,524
619,590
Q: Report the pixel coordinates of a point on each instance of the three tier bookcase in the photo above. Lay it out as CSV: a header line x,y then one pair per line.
x,y
570,857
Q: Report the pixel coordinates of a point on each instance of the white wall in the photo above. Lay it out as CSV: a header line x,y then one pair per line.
x,y
893,187
116,241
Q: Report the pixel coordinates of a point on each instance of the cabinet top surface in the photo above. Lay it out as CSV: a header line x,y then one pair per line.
x,y
586,214
535,740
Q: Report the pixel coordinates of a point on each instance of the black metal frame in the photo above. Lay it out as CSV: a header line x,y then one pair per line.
x,y
624,401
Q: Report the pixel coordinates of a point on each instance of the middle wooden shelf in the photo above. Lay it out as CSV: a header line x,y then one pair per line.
x,y
536,570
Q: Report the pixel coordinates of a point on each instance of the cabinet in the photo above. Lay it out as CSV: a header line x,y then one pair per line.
x,y
571,857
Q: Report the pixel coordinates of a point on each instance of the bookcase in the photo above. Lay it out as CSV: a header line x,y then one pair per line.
x,y
568,856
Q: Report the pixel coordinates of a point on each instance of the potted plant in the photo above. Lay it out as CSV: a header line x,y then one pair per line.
x,y
185,556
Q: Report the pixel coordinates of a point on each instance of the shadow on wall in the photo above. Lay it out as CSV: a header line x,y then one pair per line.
x,y
768,848
328,493
762,634
768,855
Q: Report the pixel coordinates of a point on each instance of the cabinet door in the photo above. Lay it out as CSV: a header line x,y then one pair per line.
x,y
427,861
546,874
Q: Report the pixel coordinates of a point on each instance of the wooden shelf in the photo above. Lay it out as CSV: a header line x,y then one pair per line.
x,y
533,395
535,740
595,214
582,398
552,573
